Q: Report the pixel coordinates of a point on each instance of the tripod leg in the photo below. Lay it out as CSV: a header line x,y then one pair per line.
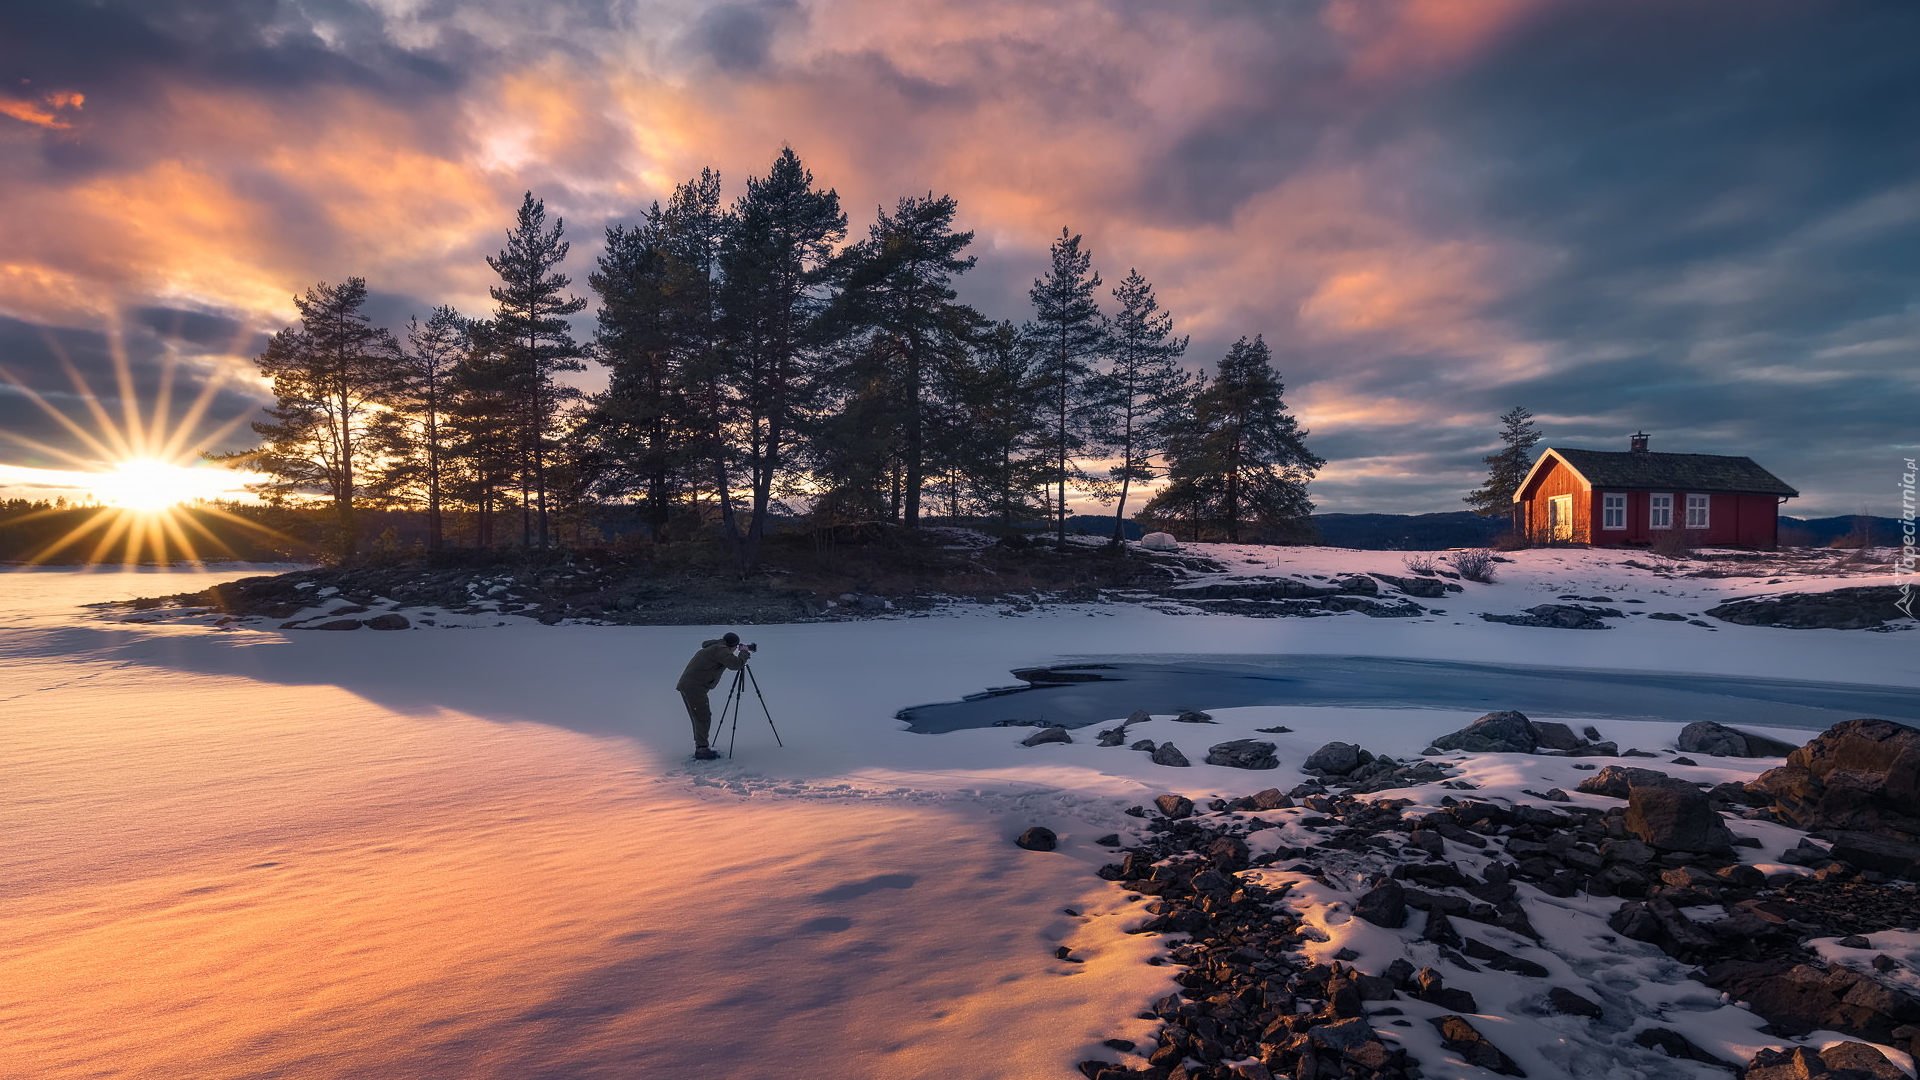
x,y
763,707
738,693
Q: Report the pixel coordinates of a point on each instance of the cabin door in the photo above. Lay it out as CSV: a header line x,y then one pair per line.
x,y
1560,517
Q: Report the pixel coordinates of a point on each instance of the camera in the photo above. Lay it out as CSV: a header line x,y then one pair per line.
x,y
753,646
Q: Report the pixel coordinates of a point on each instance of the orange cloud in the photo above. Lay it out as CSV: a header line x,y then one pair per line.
x,y
1395,39
46,112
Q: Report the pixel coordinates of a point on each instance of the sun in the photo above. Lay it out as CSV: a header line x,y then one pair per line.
x,y
150,484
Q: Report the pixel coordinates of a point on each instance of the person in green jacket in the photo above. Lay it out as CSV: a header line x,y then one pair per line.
x,y
703,672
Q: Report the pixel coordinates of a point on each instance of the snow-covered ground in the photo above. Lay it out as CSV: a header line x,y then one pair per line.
x,y
484,853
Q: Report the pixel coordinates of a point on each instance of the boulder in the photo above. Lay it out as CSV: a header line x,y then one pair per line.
x,y
1243,754
1866,851
339,624
1159,541
1384,905
1054,734
1615,780
1423,587
1860,608
390,621
1554,736
1175,806
1851,1060
1038,838
1192,716
1170,755
1505,732
1858,775
1559,616
1563,1000
1707,737
1336,757
1676,817
1460,1037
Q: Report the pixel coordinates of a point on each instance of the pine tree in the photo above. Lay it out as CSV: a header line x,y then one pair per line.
x,y
692,228
1000,405
640,431
329,373
1142,392
1069,334
413,434
775,263
484,424
1239,455
531,326
900,312
1507,467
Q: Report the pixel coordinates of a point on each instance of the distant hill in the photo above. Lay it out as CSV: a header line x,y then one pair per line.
x,y
1820,532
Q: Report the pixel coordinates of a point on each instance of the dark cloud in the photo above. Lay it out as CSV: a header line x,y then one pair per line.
x,y
739,37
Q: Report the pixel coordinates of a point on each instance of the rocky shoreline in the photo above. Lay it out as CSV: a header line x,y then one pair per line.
x,y
1249,889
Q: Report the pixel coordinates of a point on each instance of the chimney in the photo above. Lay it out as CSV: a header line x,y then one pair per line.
x,y
1638,442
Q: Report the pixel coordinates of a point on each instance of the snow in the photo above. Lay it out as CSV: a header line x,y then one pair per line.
x,y
240,851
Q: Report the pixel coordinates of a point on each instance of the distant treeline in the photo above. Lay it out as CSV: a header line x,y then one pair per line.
x,y
760,365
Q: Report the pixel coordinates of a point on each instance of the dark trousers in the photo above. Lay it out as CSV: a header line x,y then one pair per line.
x,y
701,713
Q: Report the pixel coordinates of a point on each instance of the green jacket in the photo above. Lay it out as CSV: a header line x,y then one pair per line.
x,y
703,671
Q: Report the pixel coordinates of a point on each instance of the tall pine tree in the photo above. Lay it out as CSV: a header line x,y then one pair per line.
x,y
415,441
775,264
1142,392
1069,335
530,324
329,373
899,309
1507,467
1239,456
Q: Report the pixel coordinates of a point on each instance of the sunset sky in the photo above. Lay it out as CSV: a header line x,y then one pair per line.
x,y
1700,219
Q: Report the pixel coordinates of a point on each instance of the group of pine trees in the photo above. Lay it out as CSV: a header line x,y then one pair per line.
x,y
757,362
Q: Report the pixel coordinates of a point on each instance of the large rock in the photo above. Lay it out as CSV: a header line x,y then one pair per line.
x,y
1858,608
392,620
1559,737
1867,851
1505,732
1676,817
1336,757
1384,905
1038,838
1559,616
1797,999
1859,775
1170,755
1614,781
1707,737
1054,734
1425,588
1243,754
1461,1038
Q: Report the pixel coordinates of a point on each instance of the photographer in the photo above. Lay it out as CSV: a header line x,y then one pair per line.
x,y
701,676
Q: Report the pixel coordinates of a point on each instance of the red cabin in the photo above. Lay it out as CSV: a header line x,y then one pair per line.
x,y
1612,499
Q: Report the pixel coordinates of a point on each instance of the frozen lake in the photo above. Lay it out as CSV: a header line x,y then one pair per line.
x,y
1097,690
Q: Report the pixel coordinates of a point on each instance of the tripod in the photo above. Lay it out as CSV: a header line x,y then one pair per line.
x,y
735,694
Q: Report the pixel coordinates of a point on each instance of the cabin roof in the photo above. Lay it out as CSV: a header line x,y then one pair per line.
x,y
1647,471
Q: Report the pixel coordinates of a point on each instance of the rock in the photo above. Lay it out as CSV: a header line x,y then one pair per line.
x,y
1193,716
1424,587
1860,1057
1460,1037
1170,755
1865,851
1505,732
1270,799
1143,744
1676,817
338,624
392,620
1383,905
1707,737
1858,775
1038,838
1675,1045
1112,737
1861,1062
1666,616
1175,806
1335,757
1797,999
1859,608
1560,616
1159,541
1566,1001
1614,781
1137,716
1047,735
1554,736
1243,754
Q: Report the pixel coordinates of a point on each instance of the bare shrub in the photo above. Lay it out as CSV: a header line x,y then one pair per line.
x,y
1474,564
1420,562
1673,544
1510,541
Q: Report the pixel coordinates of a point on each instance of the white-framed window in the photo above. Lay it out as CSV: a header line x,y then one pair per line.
x,y
1697,511
1613,510
1660,511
